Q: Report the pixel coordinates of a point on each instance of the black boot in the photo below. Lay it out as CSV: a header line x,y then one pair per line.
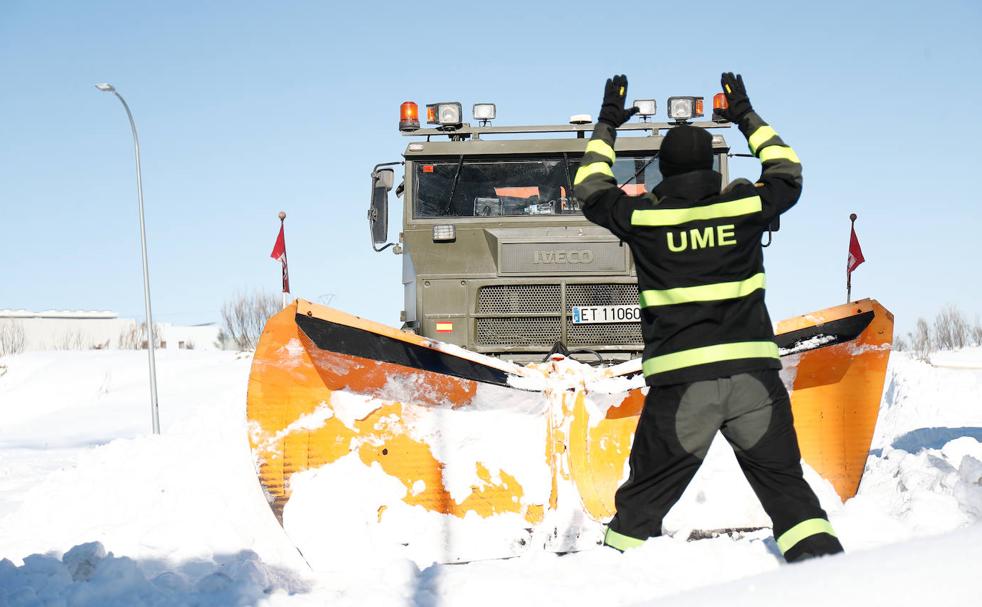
x,y
820,544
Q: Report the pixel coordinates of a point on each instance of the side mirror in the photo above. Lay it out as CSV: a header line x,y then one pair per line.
x,y
378,214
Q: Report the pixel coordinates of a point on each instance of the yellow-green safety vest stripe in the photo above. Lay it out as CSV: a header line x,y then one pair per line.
x,y
599,146
620,541
593,168
759,136
709,354
673,217
803,530
778,152
712,292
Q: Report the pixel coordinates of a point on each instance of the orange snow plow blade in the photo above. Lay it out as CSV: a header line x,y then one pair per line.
x,y
496,459
836,383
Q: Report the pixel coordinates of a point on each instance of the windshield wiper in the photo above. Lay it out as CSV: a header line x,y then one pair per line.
x,y
569,182
641,170
453,185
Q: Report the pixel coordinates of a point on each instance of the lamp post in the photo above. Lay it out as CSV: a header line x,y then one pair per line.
x,y
155,416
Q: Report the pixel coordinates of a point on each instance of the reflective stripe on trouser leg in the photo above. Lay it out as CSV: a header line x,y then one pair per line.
x,y
803,530
620,541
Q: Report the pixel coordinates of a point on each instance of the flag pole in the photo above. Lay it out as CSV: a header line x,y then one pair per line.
x,y
852,219
282,216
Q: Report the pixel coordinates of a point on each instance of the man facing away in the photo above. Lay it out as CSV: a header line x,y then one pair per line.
x,y
710,359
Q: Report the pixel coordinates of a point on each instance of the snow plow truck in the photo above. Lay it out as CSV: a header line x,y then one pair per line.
x,y
499,417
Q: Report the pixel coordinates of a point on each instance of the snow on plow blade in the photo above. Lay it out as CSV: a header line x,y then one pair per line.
x,y
367,436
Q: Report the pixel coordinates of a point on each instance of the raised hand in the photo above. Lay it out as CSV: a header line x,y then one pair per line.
x,y
736,97
612,112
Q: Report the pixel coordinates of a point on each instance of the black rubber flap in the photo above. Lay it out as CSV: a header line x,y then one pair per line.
x,y
345,339
840,331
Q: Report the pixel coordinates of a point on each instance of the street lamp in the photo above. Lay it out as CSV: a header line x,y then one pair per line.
x,y
105,87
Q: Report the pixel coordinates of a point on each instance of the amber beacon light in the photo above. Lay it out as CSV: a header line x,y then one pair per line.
x,y
408,116
719,106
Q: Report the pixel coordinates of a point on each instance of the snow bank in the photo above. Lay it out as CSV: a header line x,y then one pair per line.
x,y
918,395
186,522
936,571
87,576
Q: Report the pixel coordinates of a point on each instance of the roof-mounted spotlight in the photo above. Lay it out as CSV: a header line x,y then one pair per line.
x,y
485,112
682,109
446,114
646,108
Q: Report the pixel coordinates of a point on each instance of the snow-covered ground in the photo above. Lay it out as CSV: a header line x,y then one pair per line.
x,y
96,511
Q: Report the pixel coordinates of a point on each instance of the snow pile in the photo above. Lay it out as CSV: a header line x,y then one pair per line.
x,y
186,521
87,575
936,571
919,396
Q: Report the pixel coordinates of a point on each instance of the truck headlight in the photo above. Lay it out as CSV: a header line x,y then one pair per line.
x,y
444,114
684,108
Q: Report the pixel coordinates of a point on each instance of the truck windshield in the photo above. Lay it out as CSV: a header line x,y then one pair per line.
x,y
515,187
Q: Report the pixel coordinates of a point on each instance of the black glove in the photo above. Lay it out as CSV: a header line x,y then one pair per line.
x,y
612,111
736,97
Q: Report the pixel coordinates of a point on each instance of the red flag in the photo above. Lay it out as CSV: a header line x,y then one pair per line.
x,y
855,252
279,254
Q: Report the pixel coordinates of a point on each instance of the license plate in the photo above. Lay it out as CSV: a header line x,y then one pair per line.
x,y
584,315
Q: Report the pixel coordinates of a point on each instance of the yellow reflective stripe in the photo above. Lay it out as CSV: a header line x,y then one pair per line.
x,y
713,292
592,169
673,217
620,541
760,136
710,354
599,146
803,530
778,152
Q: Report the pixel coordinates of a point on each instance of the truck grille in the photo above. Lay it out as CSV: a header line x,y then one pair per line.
x,y
601,295
518,327
613,334
518,331
519,299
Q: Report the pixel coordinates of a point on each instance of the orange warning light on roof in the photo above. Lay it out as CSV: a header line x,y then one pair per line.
x,y
408,116
698,106
719,101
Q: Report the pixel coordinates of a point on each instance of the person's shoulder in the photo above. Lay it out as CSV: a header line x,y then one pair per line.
x,y
739,187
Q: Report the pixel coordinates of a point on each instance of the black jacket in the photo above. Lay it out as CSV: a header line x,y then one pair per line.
x,y
698,255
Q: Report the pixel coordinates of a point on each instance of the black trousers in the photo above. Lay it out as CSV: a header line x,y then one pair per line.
x,y
675,430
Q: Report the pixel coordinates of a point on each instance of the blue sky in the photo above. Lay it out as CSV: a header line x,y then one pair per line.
x,y
248,108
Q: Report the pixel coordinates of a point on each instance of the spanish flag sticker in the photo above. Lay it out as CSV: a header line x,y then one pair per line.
x,y
444,327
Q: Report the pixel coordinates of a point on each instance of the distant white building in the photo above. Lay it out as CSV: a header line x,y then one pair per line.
x,y
88,330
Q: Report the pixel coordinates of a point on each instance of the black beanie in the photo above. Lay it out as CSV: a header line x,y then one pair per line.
x,y
684,149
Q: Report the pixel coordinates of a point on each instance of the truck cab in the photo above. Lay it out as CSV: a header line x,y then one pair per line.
x,y
497,255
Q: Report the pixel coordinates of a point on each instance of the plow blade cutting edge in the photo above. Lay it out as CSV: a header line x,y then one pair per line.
x,y
366,434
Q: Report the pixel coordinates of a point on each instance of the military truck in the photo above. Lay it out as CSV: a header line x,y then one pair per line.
x,y
449,440
497,256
